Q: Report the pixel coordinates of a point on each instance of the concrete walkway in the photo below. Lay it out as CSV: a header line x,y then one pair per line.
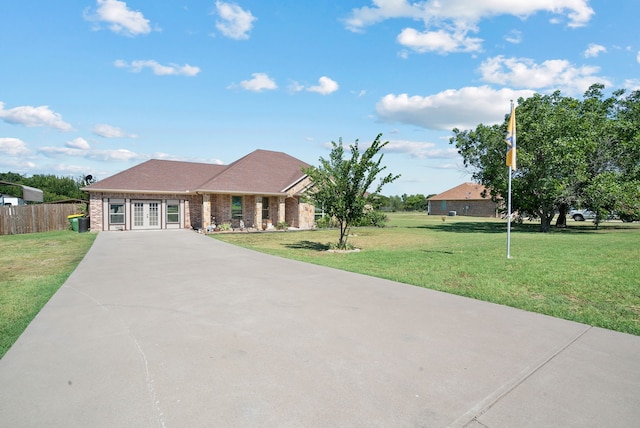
x,y
175,329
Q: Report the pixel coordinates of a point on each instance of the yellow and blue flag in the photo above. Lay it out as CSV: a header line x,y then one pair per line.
x,y
511,139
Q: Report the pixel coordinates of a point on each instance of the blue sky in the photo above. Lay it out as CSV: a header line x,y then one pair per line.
x,y
97,86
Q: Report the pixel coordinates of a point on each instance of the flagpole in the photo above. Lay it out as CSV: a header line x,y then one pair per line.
x,y
509,223
510,168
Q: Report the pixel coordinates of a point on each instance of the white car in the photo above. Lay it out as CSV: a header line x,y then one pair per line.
x,y
581,215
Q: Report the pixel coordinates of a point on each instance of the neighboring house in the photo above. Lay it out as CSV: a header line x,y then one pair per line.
x,y
465,199
260,189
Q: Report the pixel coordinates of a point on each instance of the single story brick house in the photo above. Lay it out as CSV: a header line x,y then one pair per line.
x,y
465,199
262,188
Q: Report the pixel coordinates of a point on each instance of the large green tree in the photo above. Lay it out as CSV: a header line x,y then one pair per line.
x,y
570,152
54,188
342,186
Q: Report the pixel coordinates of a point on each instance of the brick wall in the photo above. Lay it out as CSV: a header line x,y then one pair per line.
x,y
221,208
475,208
291,212
192,206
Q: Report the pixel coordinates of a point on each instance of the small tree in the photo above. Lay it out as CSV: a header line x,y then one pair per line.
x,y
340,185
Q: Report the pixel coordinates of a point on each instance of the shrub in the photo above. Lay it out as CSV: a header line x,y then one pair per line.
x,y
373,218
326,222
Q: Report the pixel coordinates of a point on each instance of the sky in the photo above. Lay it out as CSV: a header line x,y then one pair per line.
x,y
98,86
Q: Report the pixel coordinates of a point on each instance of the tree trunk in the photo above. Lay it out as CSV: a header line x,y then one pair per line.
x,y
342,244
545,221
562,216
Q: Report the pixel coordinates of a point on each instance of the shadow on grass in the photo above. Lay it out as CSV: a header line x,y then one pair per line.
x,y
308,245
479,227
495,227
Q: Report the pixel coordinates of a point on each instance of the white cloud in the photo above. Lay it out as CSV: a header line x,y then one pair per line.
x,y
108,131
632,84
593,50
420,150
464,108
463,11
61,151
31,117
88,153
234,21
78,143
259,82
295,86
115,155
514,36
119,18
325,86
13,147
158,69
440,41
550,75
19,165
447,23
403,53
638,57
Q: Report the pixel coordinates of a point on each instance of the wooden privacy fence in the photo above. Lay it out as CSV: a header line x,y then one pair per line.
x,y
16,219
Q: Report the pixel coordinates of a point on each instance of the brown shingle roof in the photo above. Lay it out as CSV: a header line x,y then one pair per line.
x,y
260,172
159,176
465,191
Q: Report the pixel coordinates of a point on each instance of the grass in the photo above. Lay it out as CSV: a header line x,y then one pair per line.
x,y
576,273
579,273
32,268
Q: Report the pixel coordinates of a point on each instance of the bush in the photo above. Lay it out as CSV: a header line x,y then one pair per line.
x,y
373,218
326,222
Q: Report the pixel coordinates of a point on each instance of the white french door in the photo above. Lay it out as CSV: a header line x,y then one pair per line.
x,y
146,215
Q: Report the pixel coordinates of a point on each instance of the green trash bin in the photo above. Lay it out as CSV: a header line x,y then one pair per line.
x,y
73,220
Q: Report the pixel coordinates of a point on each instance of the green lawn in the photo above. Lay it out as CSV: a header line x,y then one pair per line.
x,y
579,273
32,268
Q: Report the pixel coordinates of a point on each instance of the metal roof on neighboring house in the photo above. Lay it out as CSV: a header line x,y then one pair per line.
x,y
261,172
28,193
465,191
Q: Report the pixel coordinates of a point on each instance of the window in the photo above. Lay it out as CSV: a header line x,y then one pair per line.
x,y
265,208
116,213
236,207
173,213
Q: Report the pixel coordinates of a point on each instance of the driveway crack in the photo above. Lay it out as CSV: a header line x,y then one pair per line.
x,y
489,401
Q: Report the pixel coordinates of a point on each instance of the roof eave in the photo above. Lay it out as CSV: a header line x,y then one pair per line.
x,y
240,192
137,191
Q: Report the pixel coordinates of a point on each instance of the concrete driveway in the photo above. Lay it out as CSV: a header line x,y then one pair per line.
x,y
175,329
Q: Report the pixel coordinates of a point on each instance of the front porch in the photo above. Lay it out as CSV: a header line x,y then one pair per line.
x,y
255,211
